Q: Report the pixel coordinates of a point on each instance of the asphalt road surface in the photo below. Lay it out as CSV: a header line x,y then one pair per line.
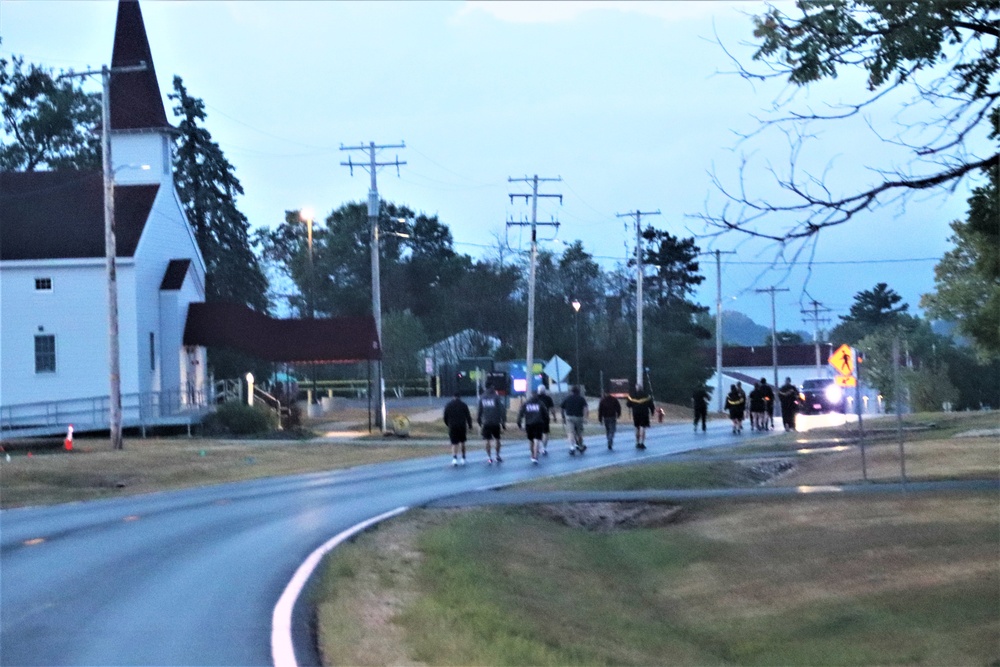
x,y
192,577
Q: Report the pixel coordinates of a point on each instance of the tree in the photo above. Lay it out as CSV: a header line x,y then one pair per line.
x,y
945,54
404,337
208,188
871,311
967,279
52,123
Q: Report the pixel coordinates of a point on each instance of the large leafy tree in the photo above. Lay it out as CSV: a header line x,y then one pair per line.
x,y
967,279
208,189
48,122
943,55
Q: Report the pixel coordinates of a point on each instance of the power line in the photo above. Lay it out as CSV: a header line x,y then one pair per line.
x,y
637,214
535,180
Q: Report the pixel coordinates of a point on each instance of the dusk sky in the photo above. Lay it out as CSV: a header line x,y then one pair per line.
x,y
632,104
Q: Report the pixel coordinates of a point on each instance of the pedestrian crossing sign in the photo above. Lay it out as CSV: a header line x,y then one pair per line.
x,y
846,381
843,360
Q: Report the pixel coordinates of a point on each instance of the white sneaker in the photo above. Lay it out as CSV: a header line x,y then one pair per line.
x,y
463,460
535,461
454,461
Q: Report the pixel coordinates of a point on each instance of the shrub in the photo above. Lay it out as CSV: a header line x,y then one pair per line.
x,y
242,419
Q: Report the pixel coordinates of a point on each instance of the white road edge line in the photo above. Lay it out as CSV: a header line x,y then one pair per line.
x,y
282,651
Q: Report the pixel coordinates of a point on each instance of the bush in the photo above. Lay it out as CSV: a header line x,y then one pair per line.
x,y
242,419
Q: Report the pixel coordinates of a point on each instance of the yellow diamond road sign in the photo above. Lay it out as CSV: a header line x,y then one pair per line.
x,y
843,360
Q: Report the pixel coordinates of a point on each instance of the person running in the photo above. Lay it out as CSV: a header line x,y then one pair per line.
x,y
642,407
743,395
574,410
458,419
768,392
788,394
756,408
735,404
608,412
700,400
543,395
492,418
535,417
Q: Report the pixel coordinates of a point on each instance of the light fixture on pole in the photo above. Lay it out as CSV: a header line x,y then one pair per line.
x,y
576,309
373,212
306,215
638,289
110,250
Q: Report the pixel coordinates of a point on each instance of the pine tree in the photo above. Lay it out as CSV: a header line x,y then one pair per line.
x,y
208,189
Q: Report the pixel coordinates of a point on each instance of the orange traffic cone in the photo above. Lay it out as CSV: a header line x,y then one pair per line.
x,y
68,442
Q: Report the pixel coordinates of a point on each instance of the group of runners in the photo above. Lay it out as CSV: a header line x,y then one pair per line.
x,y
536,415
761,404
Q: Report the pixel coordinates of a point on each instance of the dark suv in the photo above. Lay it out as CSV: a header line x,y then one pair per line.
x,y
821,395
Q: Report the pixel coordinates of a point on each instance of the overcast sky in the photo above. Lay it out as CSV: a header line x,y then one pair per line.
x,y
632,104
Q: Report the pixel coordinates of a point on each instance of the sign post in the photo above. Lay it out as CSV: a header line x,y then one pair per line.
x,y
844,361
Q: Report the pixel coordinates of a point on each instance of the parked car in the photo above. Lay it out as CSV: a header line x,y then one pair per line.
x,y
821,395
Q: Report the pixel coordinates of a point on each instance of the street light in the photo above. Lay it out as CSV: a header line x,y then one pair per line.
x,y
306,215
576,308
108,177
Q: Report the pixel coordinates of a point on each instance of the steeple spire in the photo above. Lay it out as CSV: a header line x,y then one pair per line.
x,y
135,96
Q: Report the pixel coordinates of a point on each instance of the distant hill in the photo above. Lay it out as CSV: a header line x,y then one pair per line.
x,y
738,329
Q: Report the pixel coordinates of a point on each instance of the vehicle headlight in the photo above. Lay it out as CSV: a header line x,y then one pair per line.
x,y
834,393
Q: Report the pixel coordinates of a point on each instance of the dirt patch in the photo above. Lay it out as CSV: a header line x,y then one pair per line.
x,y
607,517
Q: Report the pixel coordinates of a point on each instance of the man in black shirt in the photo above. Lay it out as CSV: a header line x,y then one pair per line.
x,y
700,401
458,419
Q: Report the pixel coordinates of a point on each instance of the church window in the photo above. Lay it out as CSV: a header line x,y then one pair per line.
x,y
45,353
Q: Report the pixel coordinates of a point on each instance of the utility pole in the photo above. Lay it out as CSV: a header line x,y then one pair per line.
x,y
637,214
535,180
373,208
816,319
774,333
718,324
110,248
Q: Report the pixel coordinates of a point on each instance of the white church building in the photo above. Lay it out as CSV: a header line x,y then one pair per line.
x,y
54,320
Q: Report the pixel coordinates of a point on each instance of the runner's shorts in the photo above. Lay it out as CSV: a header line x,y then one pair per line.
x,y
491,431
534,431
457,435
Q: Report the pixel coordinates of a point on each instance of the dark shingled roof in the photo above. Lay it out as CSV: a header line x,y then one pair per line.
x,y
135,96
331,340
173,277
60,214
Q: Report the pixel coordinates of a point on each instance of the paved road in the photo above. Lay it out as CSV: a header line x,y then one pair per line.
x,y
192,577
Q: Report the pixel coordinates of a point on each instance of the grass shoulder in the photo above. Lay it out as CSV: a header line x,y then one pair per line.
x,y
837,580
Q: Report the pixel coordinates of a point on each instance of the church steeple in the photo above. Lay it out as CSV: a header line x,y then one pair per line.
x,y
135,96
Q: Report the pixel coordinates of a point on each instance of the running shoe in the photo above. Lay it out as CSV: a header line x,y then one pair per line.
x,y
454,461
535,461
499,460
489,462
463,460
